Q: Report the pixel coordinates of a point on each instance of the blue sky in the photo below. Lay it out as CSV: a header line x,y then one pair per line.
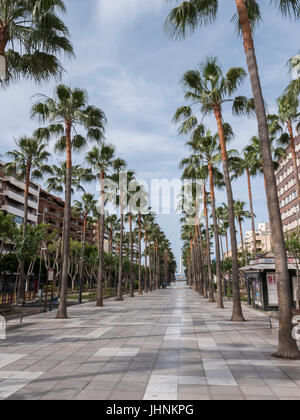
x,y
132,71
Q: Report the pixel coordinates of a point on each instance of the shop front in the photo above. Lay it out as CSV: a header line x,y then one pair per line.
x,y
261,282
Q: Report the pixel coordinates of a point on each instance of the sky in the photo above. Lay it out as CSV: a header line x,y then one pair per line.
x,y
131,69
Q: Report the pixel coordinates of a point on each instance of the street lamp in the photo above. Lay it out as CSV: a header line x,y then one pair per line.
x,y
40,268
80,270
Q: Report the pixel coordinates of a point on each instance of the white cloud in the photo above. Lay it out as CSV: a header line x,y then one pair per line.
x,y
125,11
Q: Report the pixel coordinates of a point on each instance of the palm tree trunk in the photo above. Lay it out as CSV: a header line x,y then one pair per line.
x,y
165,267
131,258
237,314
81,266
217,243
208,262
198,262
140,255
154,266
146,263
201,259
211,297
287,346
194,278
20,297
120,280
101,245
252,212
62,308
241,235
150,269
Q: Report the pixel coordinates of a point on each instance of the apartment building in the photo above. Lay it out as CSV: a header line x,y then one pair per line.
x,y
12,198
51,212
286,188
263,239
43,207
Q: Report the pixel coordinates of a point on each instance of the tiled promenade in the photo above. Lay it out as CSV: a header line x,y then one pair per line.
x,y
167,345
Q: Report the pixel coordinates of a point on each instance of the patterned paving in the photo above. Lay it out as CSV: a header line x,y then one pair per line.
x,y
167,345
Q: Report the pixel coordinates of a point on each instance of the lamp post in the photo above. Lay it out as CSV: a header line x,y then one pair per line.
x,y
40,268
80,270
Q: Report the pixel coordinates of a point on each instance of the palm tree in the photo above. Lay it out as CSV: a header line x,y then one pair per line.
x,y
111,226
28,161
57,181
67,110
209,88
193,172
208,245
206,146
188,16
31,36
119,176
223,223
147,220
254,155
251,166
241,214
101,161
85,206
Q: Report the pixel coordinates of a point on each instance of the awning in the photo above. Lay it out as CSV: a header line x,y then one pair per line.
x,y
265,267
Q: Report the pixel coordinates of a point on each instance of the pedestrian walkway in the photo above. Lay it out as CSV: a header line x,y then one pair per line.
x,y
166,345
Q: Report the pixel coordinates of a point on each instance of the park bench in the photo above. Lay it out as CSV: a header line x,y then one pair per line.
x,y
8,312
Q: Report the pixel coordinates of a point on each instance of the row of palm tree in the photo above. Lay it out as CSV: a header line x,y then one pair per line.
x,y
100,164
211,91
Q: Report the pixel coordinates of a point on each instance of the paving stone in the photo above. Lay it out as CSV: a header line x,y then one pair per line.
x,y
168,345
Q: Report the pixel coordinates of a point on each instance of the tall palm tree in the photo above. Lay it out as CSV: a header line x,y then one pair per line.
x,y
206,146
27,162
132,185
101,161
31,36
251,166
191,14
223,223
241,214
112,227
67,110
147,221
191,198
84,207
210,89
120,177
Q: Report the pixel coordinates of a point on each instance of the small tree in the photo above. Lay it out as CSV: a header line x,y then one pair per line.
x,y
28,247
74,261
6,228
293,247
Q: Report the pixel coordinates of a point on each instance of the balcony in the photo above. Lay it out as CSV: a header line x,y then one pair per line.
x,y
19,197
21,185
15,211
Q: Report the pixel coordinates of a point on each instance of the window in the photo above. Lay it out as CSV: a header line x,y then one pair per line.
x,y
18,220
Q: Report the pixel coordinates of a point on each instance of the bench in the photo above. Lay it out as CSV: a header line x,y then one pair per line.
x,y
7,311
